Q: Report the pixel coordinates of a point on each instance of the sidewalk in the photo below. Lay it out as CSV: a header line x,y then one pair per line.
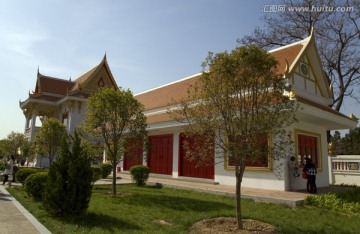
x,y
15,219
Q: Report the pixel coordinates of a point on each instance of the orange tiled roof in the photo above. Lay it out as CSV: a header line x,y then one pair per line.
x,y
289,54
59,86
163,96
83,78
52,85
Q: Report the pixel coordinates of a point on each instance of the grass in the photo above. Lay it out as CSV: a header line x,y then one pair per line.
x,y
141,209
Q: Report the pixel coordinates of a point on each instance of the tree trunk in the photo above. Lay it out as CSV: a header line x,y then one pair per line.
x,y
238,198
114,179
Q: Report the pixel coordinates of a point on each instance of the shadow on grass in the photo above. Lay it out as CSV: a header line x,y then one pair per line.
x,y
350,196
178,203
97,187
153,196
101,221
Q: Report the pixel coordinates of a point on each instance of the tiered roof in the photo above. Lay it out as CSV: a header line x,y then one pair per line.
x,y
53,89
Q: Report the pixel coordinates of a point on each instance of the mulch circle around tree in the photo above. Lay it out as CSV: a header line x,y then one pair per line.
x,y
224,225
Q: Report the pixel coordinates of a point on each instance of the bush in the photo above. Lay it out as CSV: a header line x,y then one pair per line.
x,y
140,174
68,188
106,169
96,174
23,173
347,202
35,184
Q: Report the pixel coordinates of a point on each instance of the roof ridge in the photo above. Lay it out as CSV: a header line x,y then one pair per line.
x,y
86,72
303,42
54,78
168,84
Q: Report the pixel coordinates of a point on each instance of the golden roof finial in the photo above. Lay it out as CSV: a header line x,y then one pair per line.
x,y
353,117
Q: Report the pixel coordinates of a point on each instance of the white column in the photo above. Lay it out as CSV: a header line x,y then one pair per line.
x,y
71,119
331,173
33,125
175,169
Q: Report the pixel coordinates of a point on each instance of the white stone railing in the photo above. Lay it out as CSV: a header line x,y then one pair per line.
x,y
344,169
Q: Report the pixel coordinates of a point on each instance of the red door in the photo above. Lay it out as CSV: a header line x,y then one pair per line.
x,y
133,155
190,168
161,157
308,148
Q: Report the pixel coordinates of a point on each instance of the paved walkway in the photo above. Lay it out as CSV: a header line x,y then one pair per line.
x,y
15,219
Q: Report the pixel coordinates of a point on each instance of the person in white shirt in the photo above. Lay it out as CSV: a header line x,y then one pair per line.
x,y
9,169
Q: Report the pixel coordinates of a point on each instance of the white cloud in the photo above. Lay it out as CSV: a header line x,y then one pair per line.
x,y
22,42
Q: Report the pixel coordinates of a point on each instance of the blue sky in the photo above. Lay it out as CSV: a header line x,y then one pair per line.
x,y
147,42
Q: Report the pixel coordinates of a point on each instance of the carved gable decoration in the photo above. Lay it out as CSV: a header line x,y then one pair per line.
x,y
101,78
303,69
98,77
308,74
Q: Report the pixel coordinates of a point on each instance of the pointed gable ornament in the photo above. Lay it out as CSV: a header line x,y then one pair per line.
x,y
331,88
101,82
286,68
353,117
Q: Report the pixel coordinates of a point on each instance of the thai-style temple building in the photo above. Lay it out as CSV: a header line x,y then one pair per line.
x,y
64,100
300,65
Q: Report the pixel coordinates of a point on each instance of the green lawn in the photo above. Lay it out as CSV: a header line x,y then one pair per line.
x,y
143,209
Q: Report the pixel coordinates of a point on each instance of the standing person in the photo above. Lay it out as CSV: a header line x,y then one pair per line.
x,y
294,171
310,170
9,169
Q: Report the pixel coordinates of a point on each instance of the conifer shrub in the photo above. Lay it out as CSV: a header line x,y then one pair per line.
x,y
68,189
106,169
23,173
96,174
35,184
139,174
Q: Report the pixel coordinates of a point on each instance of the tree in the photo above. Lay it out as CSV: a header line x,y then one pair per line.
x,y
94,149
336,144
48,141
351,142
237,104
14,141
15,144
348,145
337,35
117,118
3,143
26,153
69,184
